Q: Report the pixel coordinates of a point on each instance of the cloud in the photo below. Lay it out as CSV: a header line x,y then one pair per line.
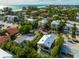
x,y
17,2
14,2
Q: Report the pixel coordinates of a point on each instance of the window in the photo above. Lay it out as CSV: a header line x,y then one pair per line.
x,y
48,42
45,47
42,40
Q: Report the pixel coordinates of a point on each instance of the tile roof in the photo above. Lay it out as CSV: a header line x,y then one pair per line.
x,y
12,30
3,38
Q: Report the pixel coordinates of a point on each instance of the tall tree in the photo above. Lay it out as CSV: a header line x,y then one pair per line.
x,y
74,29
8,10
58,44
61,26
23,8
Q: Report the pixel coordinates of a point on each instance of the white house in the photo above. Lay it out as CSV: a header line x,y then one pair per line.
x,y
5,25
55,15
4,54
43,22
71,49
54,24
46,42
29,18
1,12
77,18
68,27
11,18
70,24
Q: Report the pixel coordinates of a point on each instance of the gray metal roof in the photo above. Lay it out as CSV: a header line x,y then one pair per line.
x,y
47,40
70,48
4,54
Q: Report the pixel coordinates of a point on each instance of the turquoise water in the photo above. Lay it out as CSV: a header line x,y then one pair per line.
x,y
19,4
18,7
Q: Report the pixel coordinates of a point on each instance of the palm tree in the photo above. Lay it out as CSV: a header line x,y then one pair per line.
x,y
8,10
74,29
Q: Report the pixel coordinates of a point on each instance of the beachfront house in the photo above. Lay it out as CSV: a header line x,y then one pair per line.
x,y
45,43
5,54
70,50
1,15
11,18
1,12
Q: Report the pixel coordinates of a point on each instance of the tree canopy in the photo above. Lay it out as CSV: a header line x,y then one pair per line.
x,y
25,29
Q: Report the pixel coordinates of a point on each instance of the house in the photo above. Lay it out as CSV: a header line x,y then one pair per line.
x,y
1,12
12,30
70,24
4,54
77,14
26,16
77,18
70,49
45,43
5,25
11,18
23,38
54,24
43,22
4,38
77,32
30,18
68,27
55,15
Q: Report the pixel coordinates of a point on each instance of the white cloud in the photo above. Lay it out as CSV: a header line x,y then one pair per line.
x,y
15,2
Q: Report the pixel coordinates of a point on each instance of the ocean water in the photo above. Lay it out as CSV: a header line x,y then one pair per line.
x,y
19,7
15,7
41,3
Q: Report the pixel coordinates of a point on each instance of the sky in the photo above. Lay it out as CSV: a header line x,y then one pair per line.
x,y
14,2
18,2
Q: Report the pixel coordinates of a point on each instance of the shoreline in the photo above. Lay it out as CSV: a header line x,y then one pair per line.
x,y
19,7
